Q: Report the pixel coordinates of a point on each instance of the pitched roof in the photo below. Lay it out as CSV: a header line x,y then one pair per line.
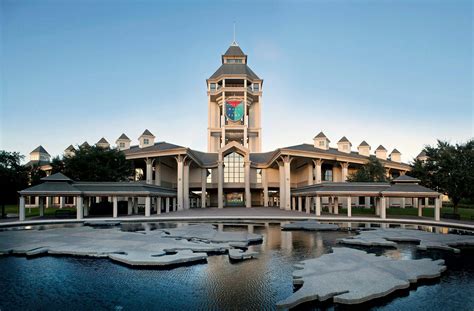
x,y
364,144
320,135
262,157
160,146
235,69
102,141
394,151
124,137
40,149
85,144
56,177
421,154
381,148
234,50
344,140
206,158
70,148
406,179
147,133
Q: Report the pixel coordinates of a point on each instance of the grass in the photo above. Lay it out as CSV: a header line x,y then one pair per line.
x,y
466,213
33,212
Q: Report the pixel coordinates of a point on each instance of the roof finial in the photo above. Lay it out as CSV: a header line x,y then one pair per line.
x,y
234,43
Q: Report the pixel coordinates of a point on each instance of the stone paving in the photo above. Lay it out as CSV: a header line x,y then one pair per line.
x,y
426,240
151,248
351,276
309,225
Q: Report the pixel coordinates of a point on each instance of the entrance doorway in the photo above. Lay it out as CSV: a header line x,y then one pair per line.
x,y
234,199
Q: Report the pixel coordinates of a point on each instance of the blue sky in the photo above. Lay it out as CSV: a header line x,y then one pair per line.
x,y
396,73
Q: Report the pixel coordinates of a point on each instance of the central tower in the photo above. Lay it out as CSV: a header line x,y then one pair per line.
x,y
234,94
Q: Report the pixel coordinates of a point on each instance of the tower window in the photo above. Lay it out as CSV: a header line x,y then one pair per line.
x,y
256,87
212,86
234,171
233,61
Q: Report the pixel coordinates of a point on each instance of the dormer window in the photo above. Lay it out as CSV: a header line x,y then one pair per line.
x,y
345,147
234,61
122,145
146,141
321,143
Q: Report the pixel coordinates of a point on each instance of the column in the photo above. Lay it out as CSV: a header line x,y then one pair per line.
x,y
307,205
248,196
22,209
383,208
115,206
265,187
367,202
336,205
179,181
220,184
158,173
420,207
427,202
129,206
318,206
48,202
147,206
293,203
158,205
310,174
135,205
287,162
186,185
300,203
41,206
203,187
61,202
167,204
97,199
402,203
438,204
349,207
86,206
149,171
281,170
345,168
174,204
79,208
318,163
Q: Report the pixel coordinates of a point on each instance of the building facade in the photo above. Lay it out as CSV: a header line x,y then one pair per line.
x,y
235,171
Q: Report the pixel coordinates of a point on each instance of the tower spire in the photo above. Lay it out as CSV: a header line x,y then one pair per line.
x,y
234,43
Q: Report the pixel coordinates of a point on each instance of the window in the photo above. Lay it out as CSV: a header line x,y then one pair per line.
x,y
321,143
234,168
212,86
233,61
146,141
345,147
327,175
122,145
209,177
259,176
256,87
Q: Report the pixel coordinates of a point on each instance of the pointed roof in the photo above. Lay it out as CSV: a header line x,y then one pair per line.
x,y
85,144
102,141
124,137
40,149
364,144
381,148
56,177
344,140
395,151
234,50
406,179
320,135
147,133
421,154
70,148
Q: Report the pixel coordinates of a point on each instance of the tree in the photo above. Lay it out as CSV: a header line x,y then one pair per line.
x,y
57,165
372,171
449,169
13,177
92,163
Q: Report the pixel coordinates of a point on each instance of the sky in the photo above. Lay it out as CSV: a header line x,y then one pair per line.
x,y
396,73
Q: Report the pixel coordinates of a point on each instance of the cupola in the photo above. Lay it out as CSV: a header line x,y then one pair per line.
x,y
364,149
321,141
123,142
344,145
381,152
147,139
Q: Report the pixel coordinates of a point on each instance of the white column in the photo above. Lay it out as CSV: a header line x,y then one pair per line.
x,y
48,202
129,206
345,168
248,196
41,206
265,187
307,205
377,206
97,199
403,203
336,205
310,173
281,170
300,203
203,187
149,171
220,184
349,207
427,202
293,203
79,208
317,169
318,206
179,182
438,204
147,206
287,162
86,206
115,206
383,208
158,205
61,202
186,186
22,209
158,173
367,202
167,204
135,205
420,208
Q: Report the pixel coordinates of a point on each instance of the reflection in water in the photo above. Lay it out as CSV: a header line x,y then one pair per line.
x,y
220,284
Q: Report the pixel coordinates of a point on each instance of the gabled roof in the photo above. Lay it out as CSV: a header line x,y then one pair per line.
x,y
382,148
124,137
160,146
102,141
56,177
40,149
344,140
234,69
406,179
262,157
70,148
364,144
85,144
234,50
320,135
147,133
206,158
395,151
421,154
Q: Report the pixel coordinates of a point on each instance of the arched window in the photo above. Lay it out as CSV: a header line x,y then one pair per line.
x,y
234,168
